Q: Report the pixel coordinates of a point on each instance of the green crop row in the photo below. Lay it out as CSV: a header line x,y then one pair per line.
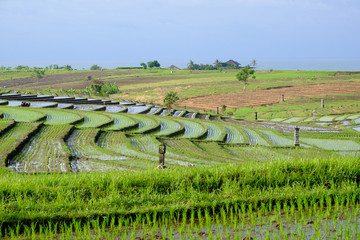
x,y
121,122
22,114
13,139
45,152
95,120
61,117
146,124
193,129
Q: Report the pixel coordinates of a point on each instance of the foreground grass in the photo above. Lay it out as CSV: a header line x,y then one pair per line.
x,y
62,197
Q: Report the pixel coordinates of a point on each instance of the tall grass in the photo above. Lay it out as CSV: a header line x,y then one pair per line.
x,y
41,199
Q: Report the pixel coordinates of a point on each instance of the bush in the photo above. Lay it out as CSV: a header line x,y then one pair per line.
x,y
101,89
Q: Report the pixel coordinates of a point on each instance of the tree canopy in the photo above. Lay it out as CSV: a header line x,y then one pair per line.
x,y
154,63
244,74
95,67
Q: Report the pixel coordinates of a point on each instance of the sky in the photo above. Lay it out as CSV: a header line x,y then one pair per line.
x,y
278,34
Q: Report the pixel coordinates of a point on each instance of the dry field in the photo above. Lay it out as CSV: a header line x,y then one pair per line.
x,y
269,96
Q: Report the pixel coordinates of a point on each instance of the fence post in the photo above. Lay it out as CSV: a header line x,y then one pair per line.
x,y
297,137
162,151
255,116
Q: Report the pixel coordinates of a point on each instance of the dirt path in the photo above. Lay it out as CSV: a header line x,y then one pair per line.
x,y
269,96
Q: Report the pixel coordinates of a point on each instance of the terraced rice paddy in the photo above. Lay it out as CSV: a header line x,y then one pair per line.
x,y
45,152
129,141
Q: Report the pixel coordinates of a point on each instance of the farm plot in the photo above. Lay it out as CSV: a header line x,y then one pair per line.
x,y
82,145
216,132
121,122
178,113
115,109
276,139
20,114
92,165
5,124
11,139
138,109
294,119
95,120
254,137
234,135
119,143
185,147
169,127
60,117
215,149
146,124
327,118
45,152
154,110
193,129
332,144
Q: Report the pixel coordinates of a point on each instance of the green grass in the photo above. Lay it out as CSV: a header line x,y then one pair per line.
x,y
56,198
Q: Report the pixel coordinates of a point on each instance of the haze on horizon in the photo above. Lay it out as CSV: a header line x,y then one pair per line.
x,y
277,33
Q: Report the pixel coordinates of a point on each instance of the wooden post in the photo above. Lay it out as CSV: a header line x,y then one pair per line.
x,y
162,151
297,137
322,103
184,107
282,98
217,110
255,116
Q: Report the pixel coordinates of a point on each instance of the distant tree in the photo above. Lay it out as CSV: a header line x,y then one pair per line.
x,y
170,99
217,64
143,65
95,67
21,67
67,67
253,63
244,74
191,65
38,73
152,64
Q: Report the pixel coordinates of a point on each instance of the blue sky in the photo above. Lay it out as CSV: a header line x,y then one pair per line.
x,y
277,33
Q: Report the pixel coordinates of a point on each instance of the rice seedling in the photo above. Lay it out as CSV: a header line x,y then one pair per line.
x,y
121,122
20,114
216,132
193,129
95,120
12,139
44,152
146,124
61,117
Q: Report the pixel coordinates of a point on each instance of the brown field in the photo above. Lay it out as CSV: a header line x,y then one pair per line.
x,y
268,96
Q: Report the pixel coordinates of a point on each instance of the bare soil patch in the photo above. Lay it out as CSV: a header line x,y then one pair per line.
x,y
268,96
